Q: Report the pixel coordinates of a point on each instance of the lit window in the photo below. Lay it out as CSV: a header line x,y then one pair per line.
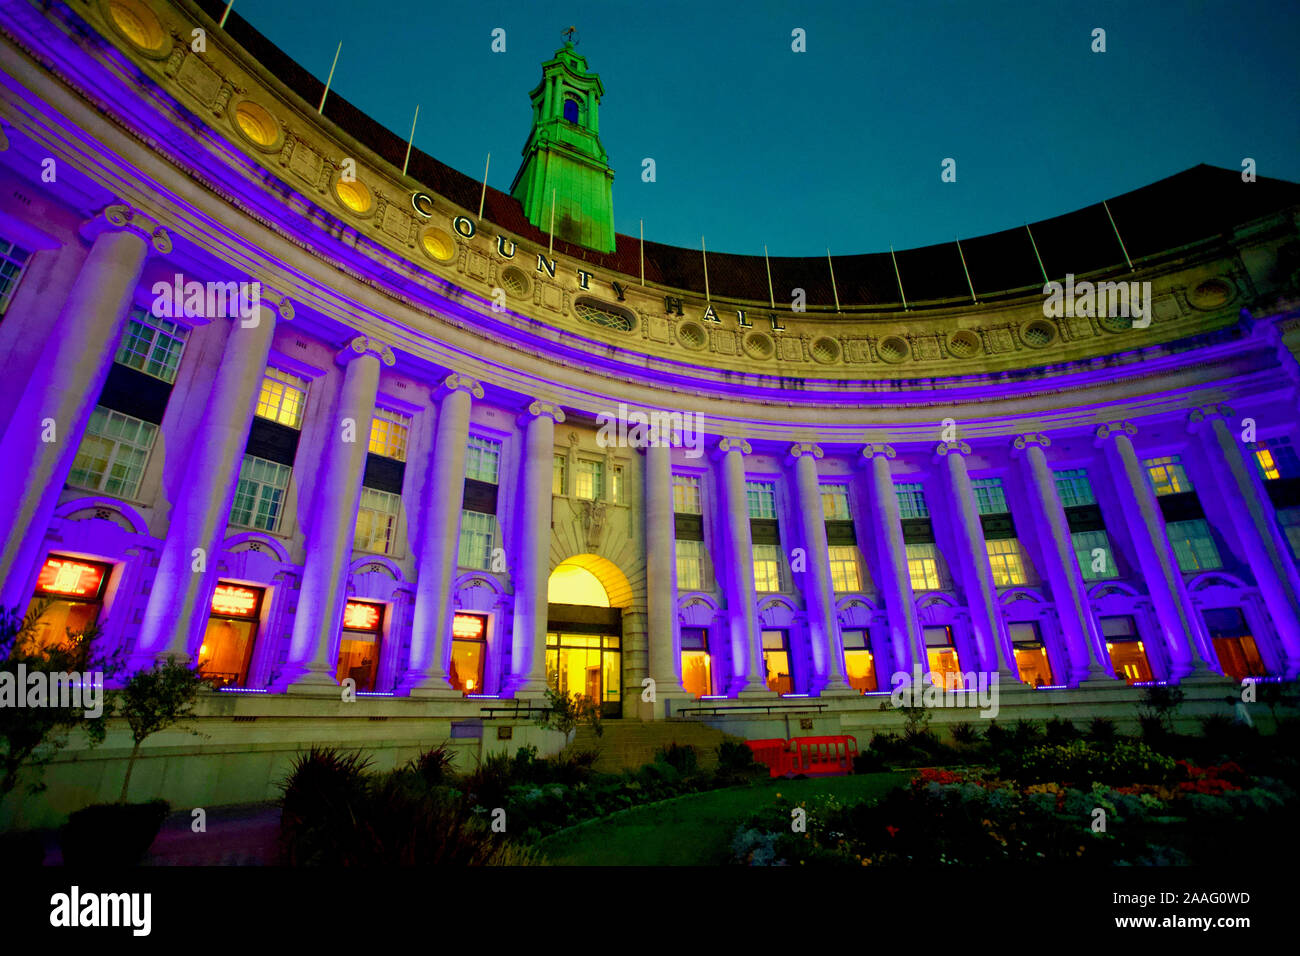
x,y
230,634
559,475
1007,562
478,534
282,398
468,652
13,261
259,494
767,567
388,434
911,500
941,655
1074,488
152,345
1276,458
835,502
1128,655
697,676
377,521
923,567
589,480
859,664
72,592
1288,520
1233,642
482,459
761,497
616,484
989,499
1031,656
1092,565
690,565
776,662
113,453
359,644
1167,475
1193,545
686,494
846,572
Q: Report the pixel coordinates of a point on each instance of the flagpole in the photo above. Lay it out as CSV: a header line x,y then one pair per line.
x,y
482,197
643,252
1036,255
766,265
833,289
222,24
1117,235
969,284
550,250
898,277
330,79
705,253
407,162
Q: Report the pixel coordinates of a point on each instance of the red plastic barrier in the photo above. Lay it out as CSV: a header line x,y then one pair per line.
x,y
773,752
824,755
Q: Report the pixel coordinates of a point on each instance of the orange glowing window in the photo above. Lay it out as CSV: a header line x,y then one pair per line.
x,y
467,626
71,578
358,616
229,600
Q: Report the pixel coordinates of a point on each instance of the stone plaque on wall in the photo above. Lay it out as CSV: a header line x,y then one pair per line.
x,y
306,162
790,350
857,350
198,78
396,222
725,342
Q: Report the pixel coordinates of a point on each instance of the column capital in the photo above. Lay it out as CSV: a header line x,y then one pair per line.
x,y
733,444
119,217
796,452
1198,417
455,382
276,301
1021,442
1111,429
540,408
364,345
871,451
947,447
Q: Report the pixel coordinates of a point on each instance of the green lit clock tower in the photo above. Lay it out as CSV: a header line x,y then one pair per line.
x,y
563,156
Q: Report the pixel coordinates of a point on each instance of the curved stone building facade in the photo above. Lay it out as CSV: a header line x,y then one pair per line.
x,y
277,405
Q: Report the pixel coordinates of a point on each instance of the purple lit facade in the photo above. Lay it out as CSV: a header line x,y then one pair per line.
x,y
1168,449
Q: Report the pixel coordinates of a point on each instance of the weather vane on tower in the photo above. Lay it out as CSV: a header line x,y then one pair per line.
x,y
570,35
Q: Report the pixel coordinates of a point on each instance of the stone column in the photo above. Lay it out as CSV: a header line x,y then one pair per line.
x,y
1182,630
1085,646
532,566
444,493
661,577
977,578
183,585
42,437
891,556
1250,511
319,618
818,591
738,555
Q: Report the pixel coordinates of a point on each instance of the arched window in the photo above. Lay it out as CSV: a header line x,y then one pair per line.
x,y
571,110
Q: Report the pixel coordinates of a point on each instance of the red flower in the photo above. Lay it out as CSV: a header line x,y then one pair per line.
x,y
891,830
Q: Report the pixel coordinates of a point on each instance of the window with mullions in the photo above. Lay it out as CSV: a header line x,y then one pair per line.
x,y
259,496
697,669
388,434
13,262
767,568
560,475
835,502
923,567
1193,545
1031,656
1288,520
482,459
589,480
1128,654
989,499
911,500
690,565
1073,488
377,521
1276,458
776,662
113,453
478,534
761,498
616,484
859,664
686,494
1007,561
1167,475
846,571
1093,566
282,398
152,345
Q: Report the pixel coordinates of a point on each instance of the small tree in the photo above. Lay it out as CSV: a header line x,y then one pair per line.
x,y
154,700
31,736
1160,704
565,712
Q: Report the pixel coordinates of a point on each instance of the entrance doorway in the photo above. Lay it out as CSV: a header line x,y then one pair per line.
x,y
584,639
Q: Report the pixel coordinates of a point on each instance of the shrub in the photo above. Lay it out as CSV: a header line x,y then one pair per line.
x,y
1101,730
1084,763
318,811
1060,731
1026,733
1153,728
1160,702
434,766
571,767
997,737
681,757
964,732
735,756
111,834
868,761
487,783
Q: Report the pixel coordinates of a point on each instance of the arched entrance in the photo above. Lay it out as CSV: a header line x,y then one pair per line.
x,y
584,632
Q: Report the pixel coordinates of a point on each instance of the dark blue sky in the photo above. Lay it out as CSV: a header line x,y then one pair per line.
x,y
840,145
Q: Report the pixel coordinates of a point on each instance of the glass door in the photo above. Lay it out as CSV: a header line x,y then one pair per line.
x,y
587,665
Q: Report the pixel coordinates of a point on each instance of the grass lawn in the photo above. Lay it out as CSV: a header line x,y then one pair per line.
x,y
694,830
